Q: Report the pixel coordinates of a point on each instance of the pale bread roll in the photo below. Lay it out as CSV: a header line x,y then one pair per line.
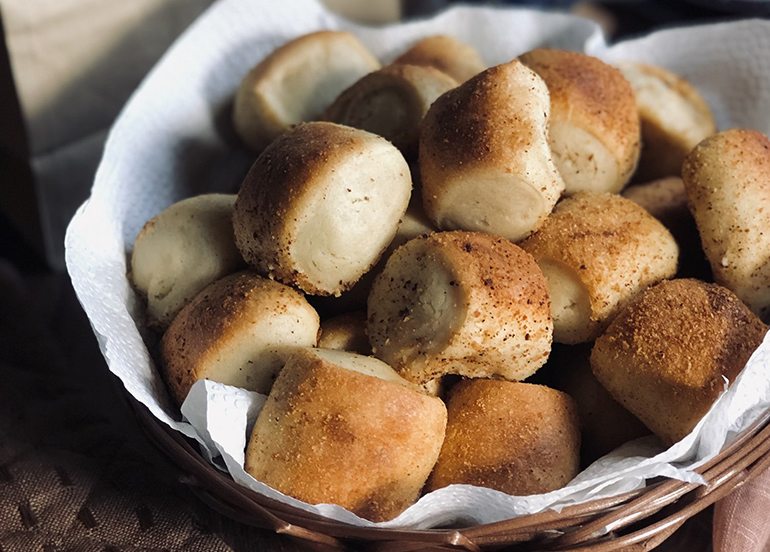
x,y
666,200
320,205
485,162
346,429
296,83
604,423
460,303
391,102
345,332
594,125
598,250
447,54
182,250
518,438
413,223
237,331
666,356
673,115
727,177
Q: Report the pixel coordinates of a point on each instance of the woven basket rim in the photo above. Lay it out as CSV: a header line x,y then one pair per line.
x,y
651,513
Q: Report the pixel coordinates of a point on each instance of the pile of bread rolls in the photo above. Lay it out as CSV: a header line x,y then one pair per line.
x,y
437,274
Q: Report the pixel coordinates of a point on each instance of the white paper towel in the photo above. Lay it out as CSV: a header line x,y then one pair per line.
x,y
172,140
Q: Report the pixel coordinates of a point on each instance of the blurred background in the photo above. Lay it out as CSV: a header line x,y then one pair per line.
x,y
75,471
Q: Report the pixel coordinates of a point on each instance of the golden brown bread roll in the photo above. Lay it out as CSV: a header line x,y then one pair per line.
x,y
345,429
460,303
518,438
604,423
598,250
237,331
666,356
726,177
457,59
674,118
666,200
346,332
391,102
485,162
182,250
296,83
320,205
594,125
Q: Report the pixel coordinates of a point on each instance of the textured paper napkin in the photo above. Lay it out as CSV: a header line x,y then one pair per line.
x,y
173,140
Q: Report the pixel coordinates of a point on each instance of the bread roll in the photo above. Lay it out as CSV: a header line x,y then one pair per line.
x,y
345,429
666,200
594,125
667,355
598,250
182,250
485,162
726,177
346,332
320,205
237,331
296,83
391,102
673,115
457,59
604,423
460,303
518,438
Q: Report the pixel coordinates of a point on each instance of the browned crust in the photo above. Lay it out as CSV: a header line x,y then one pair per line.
x,y
613,244
594,96
330,435
205,325
415,87
728,189
457,59
665,355
276,188
504,324
518,438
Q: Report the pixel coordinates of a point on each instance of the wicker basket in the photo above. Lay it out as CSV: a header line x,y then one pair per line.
x,y
645,517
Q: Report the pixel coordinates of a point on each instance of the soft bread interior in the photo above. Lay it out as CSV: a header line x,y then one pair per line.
x,y
366,365
251,358
351,220
583,160
499,204
570,302
307,82
419,299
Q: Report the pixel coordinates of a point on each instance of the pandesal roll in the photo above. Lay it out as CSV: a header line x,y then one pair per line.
x,y
345,332
447,54
517,438
485,162
594,125
182,250
598,250
728,187
670,353
346,429
463,303
296,83
674,118
320,205
666,200
237,331
391,102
